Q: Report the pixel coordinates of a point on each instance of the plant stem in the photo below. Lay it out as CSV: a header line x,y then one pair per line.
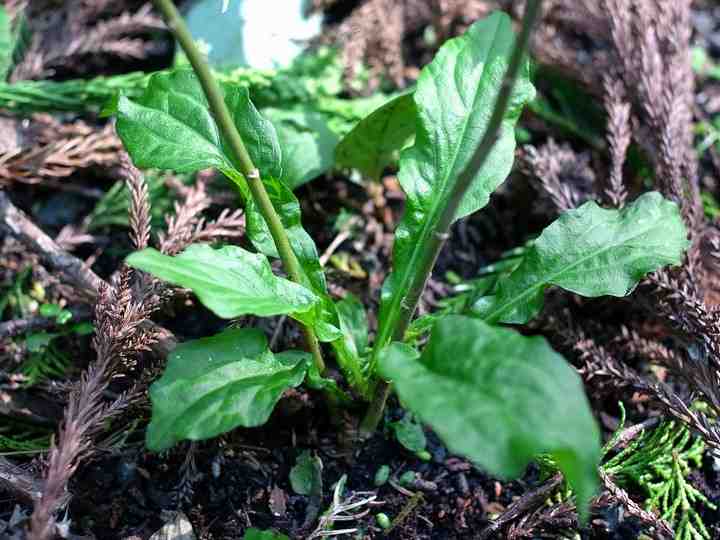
x,y
438,237
227,127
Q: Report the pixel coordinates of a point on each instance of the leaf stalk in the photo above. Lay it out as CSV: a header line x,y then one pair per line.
x,y
222,116
395,328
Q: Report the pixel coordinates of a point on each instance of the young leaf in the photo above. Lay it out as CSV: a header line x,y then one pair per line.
x,y
328,385
499,398
323,318
215,384
307,143
351,348
171,127
455,94
410,434
372,144
590,251
257,534
288,208
354,323
229,281
306,475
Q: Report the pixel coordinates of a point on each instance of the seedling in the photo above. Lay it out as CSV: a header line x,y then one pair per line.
x,y
489,392
383,520
382,475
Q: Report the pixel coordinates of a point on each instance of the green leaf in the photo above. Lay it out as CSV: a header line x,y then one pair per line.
x,y
330,386
351,349
39,341
257,534
6,44
288,208
258,133
374,142
213,385
499,398
455,95
306,475
410,434
308,144
171,127
50,310
590,251
323,318
229,281
354,323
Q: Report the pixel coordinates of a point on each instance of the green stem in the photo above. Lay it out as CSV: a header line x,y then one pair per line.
x,y
227,127
436,240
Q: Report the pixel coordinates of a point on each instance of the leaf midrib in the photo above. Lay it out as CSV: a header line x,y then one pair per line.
x,y
162,134
438,202
549,281
257,379
216,288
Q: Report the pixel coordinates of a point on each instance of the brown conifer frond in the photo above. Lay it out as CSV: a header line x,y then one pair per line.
x,y
187,225
619,136
120,335
139,203
63,36
564,175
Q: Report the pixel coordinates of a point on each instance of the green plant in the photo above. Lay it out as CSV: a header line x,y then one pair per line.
x,y
659,462
13,41
257,534
306,475
525,399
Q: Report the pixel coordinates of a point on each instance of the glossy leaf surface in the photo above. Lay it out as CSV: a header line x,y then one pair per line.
x,y
215,384
455,97
229,281
591,251
308,144
373,142
171,127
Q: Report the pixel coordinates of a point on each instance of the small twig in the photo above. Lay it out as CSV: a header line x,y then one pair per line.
x,y
28,408
531,500
662,528
343,235
18,327
19,226
628,434
401,489
406,511
16,480
339,239
278,331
